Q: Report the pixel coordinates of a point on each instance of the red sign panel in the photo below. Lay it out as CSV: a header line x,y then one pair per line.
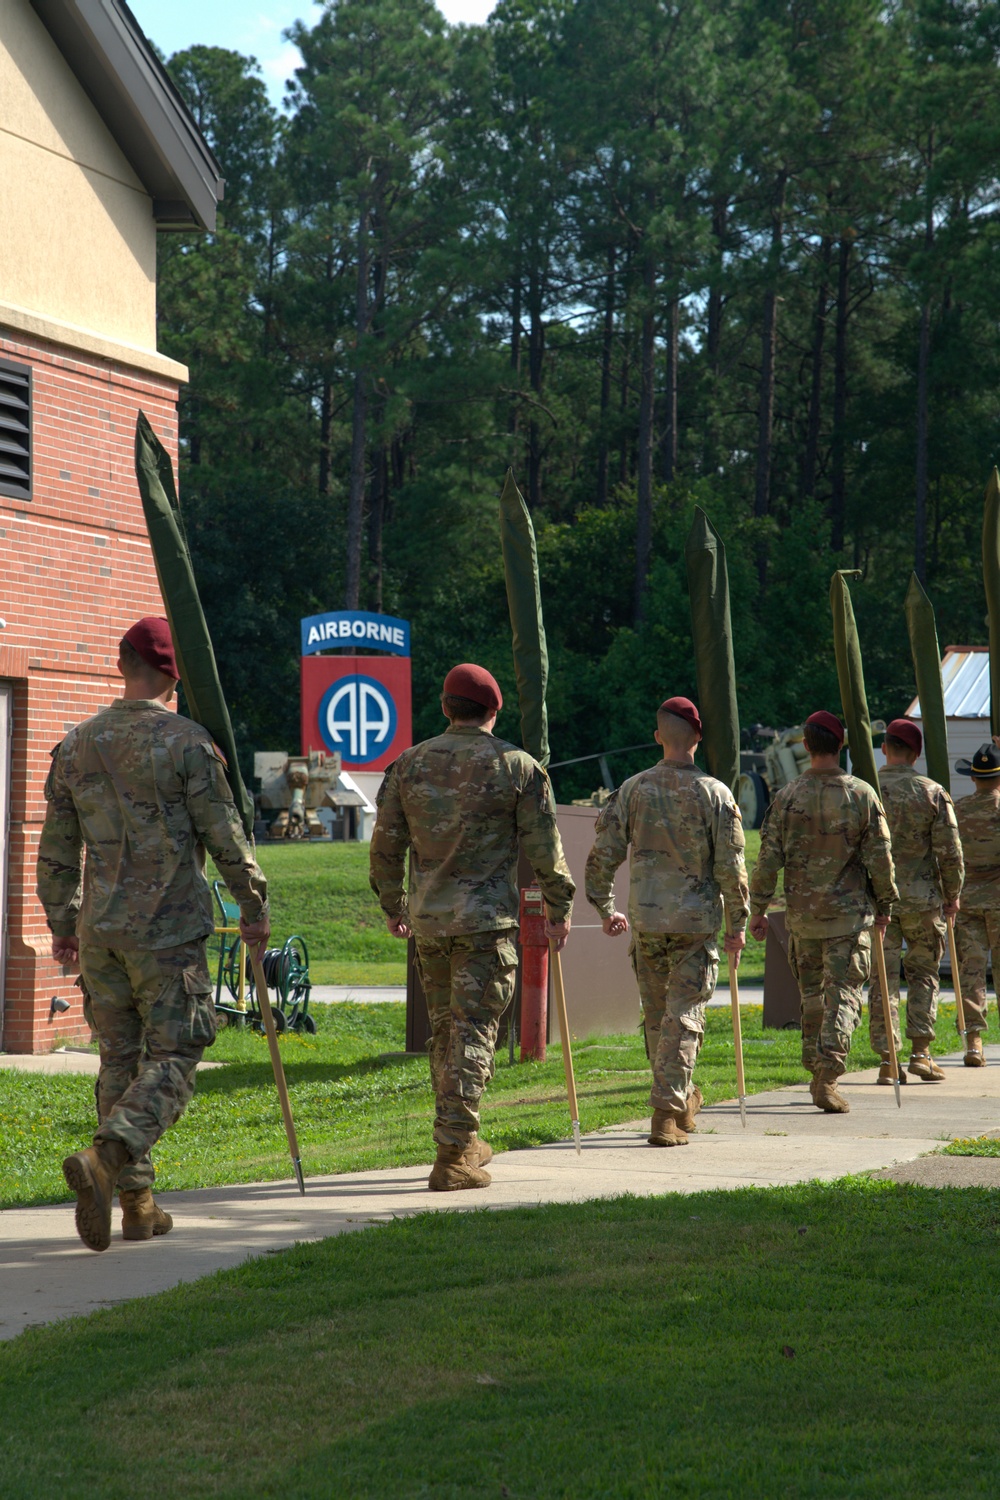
x,y
359,706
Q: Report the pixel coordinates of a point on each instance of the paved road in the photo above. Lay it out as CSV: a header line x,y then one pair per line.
x,y
327,994
363,994
46,1274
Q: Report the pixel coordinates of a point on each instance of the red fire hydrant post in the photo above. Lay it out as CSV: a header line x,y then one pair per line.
x,y
534,974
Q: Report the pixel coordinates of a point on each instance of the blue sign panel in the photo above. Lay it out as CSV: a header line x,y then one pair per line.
x,y
357,716
355,628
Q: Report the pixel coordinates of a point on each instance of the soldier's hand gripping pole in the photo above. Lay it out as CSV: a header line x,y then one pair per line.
x,y
559,992
734,995
956,978
264,1001
883,984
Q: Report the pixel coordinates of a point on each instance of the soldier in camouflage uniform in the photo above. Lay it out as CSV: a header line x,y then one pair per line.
x,y
144,792
927,855
461,803
828,831
686,837
977,930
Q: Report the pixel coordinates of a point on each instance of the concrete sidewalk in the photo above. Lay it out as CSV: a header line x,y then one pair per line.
x,y
65,1060
46,1274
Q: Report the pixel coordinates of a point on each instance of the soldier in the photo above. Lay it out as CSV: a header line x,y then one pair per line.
x,y
977,930
686,837
829,832
927,855
460,803
143,790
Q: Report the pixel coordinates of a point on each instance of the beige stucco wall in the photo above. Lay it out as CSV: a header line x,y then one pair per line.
x,y
77,236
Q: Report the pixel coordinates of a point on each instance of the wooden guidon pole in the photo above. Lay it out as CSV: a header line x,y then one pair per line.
x,y
734,996
559,992
883,981
264,1001
956,979
241,999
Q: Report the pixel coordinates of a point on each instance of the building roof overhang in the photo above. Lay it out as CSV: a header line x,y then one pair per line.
x,y
965,678
129,87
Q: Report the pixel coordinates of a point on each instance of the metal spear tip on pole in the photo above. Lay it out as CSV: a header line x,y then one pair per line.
x,y
743,1110
576,1137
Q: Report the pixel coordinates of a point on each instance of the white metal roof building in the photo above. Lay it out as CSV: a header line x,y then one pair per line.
x,y
965,673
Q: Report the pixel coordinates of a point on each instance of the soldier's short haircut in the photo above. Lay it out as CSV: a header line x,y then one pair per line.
x,y
133,664
465,708
900,746
820,741
677,730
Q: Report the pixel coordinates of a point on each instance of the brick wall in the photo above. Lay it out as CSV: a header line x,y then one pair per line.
x,y
75,572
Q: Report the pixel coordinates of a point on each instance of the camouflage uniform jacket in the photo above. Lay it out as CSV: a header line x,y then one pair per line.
x,y
926,848
460,803
829,832
978,817
143,790
686,837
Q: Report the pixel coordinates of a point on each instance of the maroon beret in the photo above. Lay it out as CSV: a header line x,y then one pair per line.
x,y
829,722
475,683
908,732
682,708
151,638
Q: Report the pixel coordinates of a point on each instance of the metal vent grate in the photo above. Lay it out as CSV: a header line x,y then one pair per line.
x,y
15,430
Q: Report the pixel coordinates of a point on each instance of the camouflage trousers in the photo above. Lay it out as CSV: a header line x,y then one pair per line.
x,y
154,1017
676,974
468,982
977,934
924,932
831,973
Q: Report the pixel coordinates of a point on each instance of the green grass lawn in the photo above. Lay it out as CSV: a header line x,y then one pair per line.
x,y
321,892
814,1342
359,1103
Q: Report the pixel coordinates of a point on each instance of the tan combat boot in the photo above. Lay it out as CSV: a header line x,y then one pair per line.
x,y
922,1065
974,1051
885,1073
477,1153
828,1097
92,1175
452,1172
685,1120
142,1216
664,1130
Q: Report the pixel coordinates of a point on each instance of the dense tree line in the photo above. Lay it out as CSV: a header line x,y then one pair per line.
x,y
651,253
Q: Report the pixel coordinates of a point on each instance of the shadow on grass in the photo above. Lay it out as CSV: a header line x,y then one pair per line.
x,y
824,1337
241,1075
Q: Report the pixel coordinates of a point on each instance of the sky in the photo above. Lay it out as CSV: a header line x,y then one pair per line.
x,y
253,27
